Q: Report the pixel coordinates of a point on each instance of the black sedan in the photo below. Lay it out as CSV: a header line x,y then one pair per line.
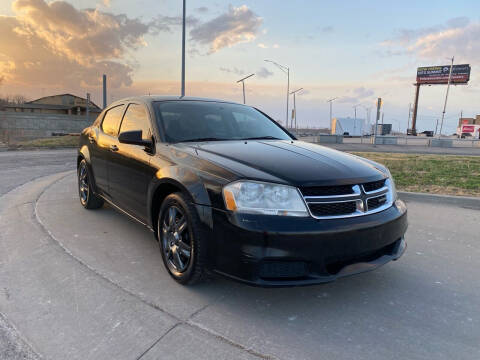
x,y
226,189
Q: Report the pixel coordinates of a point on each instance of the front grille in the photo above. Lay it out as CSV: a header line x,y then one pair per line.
x,y
375,185
283,269
327,190
333,209
376,202
330,202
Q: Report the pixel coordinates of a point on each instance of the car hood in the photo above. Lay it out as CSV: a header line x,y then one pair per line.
x,y
293,162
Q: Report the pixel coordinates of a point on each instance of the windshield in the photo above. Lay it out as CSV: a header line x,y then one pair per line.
x,y
209,121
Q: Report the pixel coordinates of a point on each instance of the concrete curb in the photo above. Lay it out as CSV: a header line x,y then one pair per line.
x,y
38,148
463,201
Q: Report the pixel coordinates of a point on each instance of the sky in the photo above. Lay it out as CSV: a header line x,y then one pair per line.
x,y
354,50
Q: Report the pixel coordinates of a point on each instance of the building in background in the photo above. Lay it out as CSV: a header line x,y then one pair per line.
x,y
348,126
469,127
63,104
382,129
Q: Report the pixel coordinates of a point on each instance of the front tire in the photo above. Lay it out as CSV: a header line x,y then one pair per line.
x,y
182,242
85,189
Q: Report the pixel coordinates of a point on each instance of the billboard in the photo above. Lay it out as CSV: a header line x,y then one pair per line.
x,y
439,74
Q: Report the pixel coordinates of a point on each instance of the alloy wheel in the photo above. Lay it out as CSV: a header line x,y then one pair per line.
x,y
176,242
83,183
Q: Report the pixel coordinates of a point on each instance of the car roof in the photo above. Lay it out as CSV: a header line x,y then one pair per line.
x,y
155,98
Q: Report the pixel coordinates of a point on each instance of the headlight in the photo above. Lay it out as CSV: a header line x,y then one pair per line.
x,y
264,198
392,185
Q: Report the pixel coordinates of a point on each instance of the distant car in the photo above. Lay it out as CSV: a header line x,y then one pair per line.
x,y
226,189
346,134
428,133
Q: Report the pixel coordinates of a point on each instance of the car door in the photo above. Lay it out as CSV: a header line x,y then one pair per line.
x,y
129,169
102,144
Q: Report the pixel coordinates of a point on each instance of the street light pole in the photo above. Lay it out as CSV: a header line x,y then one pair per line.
x,y
355,119
295,106
183,48
446,95
243,84
286,70
331,119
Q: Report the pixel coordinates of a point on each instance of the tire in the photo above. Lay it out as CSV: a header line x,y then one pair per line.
x,y
85,190
182,242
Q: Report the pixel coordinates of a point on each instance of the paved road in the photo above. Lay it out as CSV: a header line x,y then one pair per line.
x,y
18,168
348,145
96,278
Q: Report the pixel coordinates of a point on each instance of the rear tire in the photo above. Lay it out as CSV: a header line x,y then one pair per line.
x,y
85,189
182,241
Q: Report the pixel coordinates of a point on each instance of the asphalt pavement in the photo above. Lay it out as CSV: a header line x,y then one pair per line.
x,y
81,284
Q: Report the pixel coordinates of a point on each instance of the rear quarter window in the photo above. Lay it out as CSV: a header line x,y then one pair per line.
x,y
112,119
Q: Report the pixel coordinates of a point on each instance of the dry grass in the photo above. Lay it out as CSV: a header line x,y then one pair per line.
x,y
437,174
50,142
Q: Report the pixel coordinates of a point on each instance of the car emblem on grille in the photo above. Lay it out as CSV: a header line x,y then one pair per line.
x,y
360,205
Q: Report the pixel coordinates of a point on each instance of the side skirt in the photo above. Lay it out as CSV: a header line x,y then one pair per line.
x,y
125,212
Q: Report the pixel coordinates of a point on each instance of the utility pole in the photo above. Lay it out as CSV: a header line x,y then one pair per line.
x,y
183,47
415,110
446,95
331,118
409,114
87,107
286,70
104,91
355,119
243,84
436,127
379,106
295,107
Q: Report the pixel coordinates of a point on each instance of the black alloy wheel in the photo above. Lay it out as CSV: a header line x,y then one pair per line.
x,y
87,198
181,240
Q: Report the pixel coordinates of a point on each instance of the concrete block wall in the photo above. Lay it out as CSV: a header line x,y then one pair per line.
x,y
16,126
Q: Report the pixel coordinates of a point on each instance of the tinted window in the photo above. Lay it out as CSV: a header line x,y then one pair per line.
x,y
136,118
112,119
190,120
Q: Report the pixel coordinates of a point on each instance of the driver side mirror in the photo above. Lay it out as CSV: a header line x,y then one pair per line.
x,y
134,138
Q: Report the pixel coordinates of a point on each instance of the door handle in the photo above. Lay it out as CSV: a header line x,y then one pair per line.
x,y
113,148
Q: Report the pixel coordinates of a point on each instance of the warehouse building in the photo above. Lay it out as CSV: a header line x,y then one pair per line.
x,y
62,104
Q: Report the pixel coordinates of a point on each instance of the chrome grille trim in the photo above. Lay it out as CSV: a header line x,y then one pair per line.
x,y
354,195
360,195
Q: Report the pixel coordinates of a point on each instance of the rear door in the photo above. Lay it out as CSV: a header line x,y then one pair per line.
x,y
129,169
104,145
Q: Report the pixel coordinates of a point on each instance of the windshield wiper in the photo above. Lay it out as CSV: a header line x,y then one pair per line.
x,y
203,139
267,137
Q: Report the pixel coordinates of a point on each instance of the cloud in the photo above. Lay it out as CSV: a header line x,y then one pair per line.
x,y
237,25
358,95
56,44
202,9
327,29
264,73
234,70
163,23
458,36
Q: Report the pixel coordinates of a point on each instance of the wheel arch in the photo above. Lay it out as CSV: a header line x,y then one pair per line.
x,y
190,186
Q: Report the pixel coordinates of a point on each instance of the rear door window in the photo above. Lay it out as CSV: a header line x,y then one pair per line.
x,y
112,119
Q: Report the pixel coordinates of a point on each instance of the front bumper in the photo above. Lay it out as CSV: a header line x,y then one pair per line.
x,y
284,251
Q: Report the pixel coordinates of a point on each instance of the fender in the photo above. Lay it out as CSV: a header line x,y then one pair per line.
x,y
84,152
189,182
